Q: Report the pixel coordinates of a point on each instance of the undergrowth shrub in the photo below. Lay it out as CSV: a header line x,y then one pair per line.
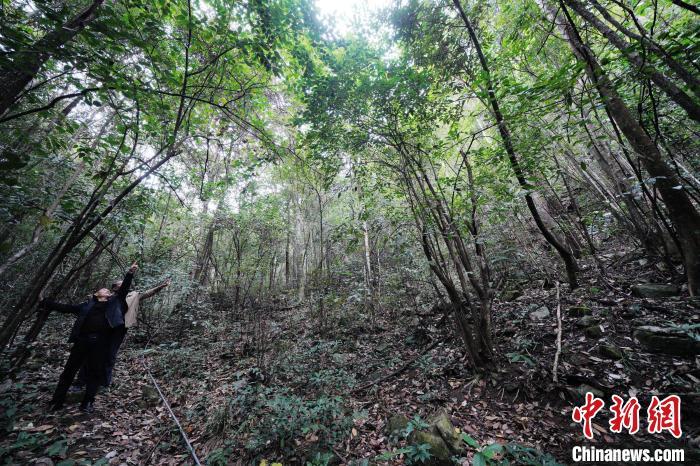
x,y
264,419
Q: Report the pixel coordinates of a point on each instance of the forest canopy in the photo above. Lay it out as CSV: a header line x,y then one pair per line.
x,y
357,174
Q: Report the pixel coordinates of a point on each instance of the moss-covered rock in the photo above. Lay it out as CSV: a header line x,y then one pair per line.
x,y
579,311
439,451
611,352
443,425
594,331
667,340
586,321
440,435
655,290
396,425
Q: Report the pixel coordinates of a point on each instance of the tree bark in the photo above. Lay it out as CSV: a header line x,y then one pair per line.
x,y
566,255
681,210
13,79
674,92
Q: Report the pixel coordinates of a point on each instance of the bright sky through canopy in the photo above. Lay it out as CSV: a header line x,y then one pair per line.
x,y
344,12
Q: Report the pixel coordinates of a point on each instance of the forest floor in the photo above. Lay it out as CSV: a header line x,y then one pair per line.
x,y
286,387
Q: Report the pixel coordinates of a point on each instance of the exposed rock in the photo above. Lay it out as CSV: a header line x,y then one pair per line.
x,y
593,331
441,455
611,352
442,438
655,290
586,321
667,340
582,389
579,311
396,425
511,295
447,431
631,311
539,314
577,359
150,396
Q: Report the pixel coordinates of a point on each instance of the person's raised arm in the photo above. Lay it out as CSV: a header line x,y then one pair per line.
x,y
150,293
60,307
126,283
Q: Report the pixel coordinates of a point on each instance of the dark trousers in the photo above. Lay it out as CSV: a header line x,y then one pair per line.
x,y
91,351
116,339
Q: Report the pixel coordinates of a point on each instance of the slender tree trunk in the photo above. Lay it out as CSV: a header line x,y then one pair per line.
x,y
368,263
16,76
687,76
81,227
286,250
681,210
566,255
44,220
674,92
686,6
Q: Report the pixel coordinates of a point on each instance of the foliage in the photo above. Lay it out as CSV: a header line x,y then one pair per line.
x,y
506,454
414,454
274,418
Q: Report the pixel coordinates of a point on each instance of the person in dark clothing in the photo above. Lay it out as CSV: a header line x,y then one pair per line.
x,y
91,337
133,300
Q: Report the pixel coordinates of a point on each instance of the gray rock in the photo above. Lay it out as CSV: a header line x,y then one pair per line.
x,y
441,455
539,314
611,352
655,290
443,440
667,340
586,321
150,396
579,311
582,389
593,331
396,425
446,429
511,295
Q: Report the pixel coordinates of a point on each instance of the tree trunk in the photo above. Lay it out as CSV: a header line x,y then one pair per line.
x,y
681,210
674,93
15,77
566,255
368,264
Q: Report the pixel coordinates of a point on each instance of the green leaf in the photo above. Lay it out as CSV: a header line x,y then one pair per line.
x,y
470,441
479,460
58,448
492,450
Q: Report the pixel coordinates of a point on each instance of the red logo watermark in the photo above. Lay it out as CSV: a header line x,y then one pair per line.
x,y
662,415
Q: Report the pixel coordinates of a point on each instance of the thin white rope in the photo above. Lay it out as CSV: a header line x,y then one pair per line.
x,y
172,414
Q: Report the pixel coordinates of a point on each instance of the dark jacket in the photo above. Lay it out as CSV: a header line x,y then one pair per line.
x,y
116,308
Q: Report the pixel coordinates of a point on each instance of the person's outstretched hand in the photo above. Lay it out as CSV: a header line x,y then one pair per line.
x,y
134,267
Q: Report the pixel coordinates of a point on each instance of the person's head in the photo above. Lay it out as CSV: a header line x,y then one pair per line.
x,y
103,294
116,285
